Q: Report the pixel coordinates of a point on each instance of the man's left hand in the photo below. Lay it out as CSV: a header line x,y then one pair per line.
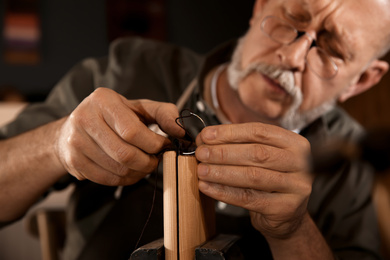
x,y
262,168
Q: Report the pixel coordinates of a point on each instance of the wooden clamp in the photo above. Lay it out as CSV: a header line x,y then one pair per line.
x,y
189,219
189,216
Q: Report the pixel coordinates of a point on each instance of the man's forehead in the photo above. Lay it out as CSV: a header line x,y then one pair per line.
x,y
306,12
350,21
316,7
311,7
340,13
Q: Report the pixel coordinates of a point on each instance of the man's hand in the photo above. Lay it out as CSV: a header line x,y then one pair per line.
x,y
262,168
106,138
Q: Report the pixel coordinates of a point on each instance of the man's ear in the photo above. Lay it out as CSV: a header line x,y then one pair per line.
x,y
369,78
257,8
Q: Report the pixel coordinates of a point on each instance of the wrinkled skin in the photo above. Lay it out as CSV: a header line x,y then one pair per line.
x,y
258,167
106,138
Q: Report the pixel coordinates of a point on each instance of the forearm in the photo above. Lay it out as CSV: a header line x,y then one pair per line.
x,y
28,167
307,242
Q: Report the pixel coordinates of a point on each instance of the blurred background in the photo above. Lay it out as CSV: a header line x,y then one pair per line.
x,y
43,39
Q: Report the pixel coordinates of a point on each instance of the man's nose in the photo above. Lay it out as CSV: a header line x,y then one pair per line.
x,y
293,55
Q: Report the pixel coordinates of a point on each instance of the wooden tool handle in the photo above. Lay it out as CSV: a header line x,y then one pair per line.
x,y
189,216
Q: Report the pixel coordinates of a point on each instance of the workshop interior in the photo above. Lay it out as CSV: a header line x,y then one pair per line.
x,y
43,39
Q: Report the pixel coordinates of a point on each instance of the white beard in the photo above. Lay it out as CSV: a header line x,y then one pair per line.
x,y
292,119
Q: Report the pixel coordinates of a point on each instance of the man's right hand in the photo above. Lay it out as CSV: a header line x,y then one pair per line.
x,y
106,138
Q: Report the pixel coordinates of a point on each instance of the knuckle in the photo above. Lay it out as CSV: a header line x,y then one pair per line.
x,y
150,166
215,173
157,145
125,156
256,176
74,141
259,154
79,118
230,133
75,118
253,174
247,198
223,154
153,165
96,97
128,134
259,131
74,167
99,93
102,98
123,170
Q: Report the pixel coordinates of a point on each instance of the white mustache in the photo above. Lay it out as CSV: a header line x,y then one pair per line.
x,y
285,78
292,119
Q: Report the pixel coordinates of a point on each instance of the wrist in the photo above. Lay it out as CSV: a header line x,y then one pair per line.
x,y
55,148
296,230
305,242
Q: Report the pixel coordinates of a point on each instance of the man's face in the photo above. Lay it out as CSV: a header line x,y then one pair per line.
x,y
349,31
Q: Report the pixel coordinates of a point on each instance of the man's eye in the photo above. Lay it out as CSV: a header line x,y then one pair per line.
x,y
335,53
331,49
283,33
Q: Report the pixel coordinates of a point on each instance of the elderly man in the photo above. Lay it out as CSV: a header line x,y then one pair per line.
x,y
266,97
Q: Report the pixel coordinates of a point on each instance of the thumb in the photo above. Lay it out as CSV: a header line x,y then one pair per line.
x,y
160,113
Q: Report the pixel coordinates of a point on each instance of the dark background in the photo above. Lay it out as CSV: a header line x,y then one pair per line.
x,y
73,30
76,29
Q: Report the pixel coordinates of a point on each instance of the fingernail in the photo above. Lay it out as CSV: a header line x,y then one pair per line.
x,y
202,154
210,133
203,169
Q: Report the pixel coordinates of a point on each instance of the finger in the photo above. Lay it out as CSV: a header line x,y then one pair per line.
x,y
135,160
250,199
249,133
116,112
87,169
163,114
258,155
82,167
127,124
111,145
249,178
